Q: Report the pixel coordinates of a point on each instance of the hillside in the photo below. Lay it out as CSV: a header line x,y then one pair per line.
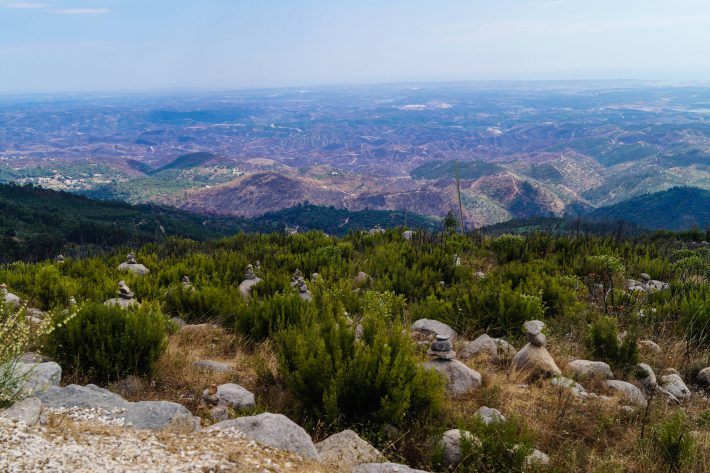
x,y
678,208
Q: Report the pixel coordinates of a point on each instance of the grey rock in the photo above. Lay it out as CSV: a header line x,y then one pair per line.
x,y
585,369
537,360
451,444
537,458
87,397
26,410
158,415
273,430
37,378
133,266
483,344
629,392
646,377
459,378
384,468
489,415
362,278
123,303
346,450
233,395
533,328
214,366
650,347
479,274
703,377
433,327
407,234
33,358
219,413
247,285
178,322
645,277
674,384
566,383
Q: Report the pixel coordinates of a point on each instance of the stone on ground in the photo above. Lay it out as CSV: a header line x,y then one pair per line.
x,y
483,344
629,392
37,378
26,410
233,395
433,327
703,377
384,468
674,384
489,415
536,360
451,445
459,378
585,369
566,383
213,366
273,430
346,449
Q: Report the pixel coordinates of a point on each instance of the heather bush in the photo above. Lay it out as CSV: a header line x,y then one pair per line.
x,y
105,343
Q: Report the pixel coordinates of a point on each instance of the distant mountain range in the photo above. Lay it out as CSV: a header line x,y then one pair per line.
x,y
679,208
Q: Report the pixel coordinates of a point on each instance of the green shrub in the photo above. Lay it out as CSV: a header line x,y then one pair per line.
x,y
603,343
15,334
508,248
262,319
694,308
105,343
674,443
344,382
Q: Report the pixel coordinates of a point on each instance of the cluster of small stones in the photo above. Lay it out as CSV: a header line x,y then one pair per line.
x,y
250,280
645,284
299,283
133,266
125,298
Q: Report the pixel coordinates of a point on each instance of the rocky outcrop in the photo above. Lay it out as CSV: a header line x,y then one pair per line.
x,y
584,369
273,430
346,450
36,378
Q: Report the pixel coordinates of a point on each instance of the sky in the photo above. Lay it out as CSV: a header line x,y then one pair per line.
x,y
123,45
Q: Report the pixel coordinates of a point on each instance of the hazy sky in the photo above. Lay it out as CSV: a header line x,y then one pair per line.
x,y
216,44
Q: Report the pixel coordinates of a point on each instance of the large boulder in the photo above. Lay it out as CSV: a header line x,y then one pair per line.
x,y
585,369
345,450
459,378
433,327
37,377
384,468
674,384
628,391
158,415
233,395
85,397
133,266
273,430
536,360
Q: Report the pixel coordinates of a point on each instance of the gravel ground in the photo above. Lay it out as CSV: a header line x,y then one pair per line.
x,y
79,440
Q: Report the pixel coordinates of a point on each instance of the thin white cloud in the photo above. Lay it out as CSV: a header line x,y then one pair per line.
x,y
25,6
79,11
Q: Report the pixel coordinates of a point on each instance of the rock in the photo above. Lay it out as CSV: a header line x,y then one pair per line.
x,y
362,278
384,468
407,234
703,377
125,297
562,382
450,443
186,284
537,458
37,378
88,397
483,344
26,410
433,327
459,378
505,349
489,415
442,348
133,266
219,413
657,285
273,430
645,277
233,395
10,298
250,280
674,384
646,377
213,366
650,347
479,274
178,322
584,369
159,415
345,450
630,392
32,358
537,360
533,328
